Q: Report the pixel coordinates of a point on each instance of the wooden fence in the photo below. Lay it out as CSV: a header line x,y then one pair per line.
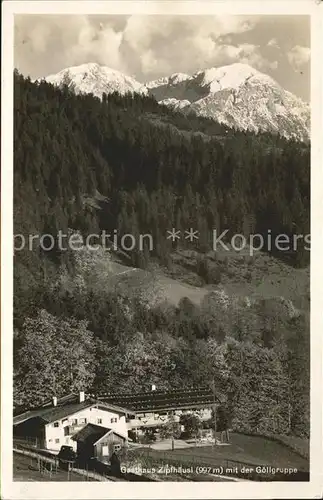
x,y
25,441
49,466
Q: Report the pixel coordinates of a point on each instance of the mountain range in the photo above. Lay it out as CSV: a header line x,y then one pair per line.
x,y
236,95
95,79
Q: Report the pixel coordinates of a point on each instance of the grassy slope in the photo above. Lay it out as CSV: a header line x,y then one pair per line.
x,y
241,275
248,449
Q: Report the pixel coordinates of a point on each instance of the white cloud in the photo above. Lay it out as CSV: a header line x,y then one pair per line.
x,y
145,46
179,45
140,31
151,65
251,54
222,25
43,45
177,42
298,56
273,43
246,53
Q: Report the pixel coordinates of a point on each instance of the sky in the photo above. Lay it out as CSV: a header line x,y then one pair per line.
x,y
148,47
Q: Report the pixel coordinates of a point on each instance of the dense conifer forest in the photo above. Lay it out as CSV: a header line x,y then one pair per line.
x,y
128,163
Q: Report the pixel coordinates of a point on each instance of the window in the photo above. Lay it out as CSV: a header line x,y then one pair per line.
x,y
105,451
56,424
83,420
56,440
113,420
66,431
74,421
99,420
117,447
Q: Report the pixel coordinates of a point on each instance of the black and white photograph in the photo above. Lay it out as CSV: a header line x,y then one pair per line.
x,y
162,310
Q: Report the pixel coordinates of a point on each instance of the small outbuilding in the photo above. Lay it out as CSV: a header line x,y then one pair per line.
x,y
95,441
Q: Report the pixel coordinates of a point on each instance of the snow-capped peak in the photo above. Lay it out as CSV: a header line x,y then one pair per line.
x,y
236,95
175,103
178,78
231,76
239,96
96,79
173,79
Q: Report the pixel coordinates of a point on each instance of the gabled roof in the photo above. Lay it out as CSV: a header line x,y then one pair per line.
x,y
64,400
66,406
202,397
53,413
92,434
130,404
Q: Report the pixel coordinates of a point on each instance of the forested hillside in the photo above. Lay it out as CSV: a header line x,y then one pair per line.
x,y
127,163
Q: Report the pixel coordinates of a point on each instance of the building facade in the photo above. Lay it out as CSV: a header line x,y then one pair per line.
x,y
60,432
159,418
98,442
53,424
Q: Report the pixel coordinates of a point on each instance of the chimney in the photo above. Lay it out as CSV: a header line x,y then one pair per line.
x,y
54,401
153,387
82,396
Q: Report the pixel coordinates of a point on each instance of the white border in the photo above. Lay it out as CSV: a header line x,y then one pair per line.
x,y
83,490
